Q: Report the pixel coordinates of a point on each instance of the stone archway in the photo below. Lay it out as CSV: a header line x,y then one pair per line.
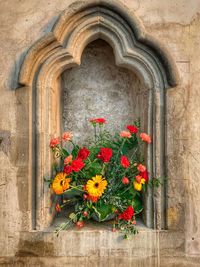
x,y
60,50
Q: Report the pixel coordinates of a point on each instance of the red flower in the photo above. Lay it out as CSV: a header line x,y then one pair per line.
x,y
77,165
144,175
58,208
80,224
85,213
93,199
98,120
132,129
54,142
125,180
141,168
68,169
127,215
105,154
83,153
125,162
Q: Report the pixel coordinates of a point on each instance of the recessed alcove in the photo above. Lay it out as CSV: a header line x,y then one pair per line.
x,y
73,76
99,88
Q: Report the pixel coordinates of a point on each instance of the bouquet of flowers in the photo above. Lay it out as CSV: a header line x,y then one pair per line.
x,y
105,179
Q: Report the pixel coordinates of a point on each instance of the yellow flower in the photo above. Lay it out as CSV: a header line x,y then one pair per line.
x,y
96,186
138,186
60,183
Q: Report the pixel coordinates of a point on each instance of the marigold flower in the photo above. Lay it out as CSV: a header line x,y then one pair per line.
x,y
83,153
54,142
141,168
125,161
125,134
105,154
138,186
60,183
132,129
127,215
96,186
145,137
67,136
125,180
68,159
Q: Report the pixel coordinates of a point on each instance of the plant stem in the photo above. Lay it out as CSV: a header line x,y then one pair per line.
x,y
76,188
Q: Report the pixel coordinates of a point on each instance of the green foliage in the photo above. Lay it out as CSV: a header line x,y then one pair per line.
x,y
117,196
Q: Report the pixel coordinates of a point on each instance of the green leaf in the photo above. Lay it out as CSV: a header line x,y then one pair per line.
x,y
94,169
65,152
137,204
104,211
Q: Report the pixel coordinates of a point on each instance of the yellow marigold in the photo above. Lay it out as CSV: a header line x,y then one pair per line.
x,y
96,186
138,186
60,183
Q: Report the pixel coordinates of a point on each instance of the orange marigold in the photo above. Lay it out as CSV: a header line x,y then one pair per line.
x,y
61,183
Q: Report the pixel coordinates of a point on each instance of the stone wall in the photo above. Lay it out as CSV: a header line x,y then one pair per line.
x,y
98,88
175,24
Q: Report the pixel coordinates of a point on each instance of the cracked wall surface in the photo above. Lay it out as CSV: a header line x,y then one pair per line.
x,y
174,23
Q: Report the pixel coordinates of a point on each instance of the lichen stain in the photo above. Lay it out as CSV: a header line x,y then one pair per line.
x,y
34,248
172,216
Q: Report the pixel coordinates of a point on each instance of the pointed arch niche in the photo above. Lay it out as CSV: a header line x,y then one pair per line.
x,y
61,50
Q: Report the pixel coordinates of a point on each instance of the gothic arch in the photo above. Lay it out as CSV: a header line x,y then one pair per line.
x,y
62,49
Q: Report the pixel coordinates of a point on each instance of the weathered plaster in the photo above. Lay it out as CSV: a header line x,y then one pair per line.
x,y
176,24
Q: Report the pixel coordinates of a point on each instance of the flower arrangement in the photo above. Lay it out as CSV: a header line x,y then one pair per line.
x,y
106,179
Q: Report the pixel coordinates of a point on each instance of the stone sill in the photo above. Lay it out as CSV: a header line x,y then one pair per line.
x,y
94,226
98,240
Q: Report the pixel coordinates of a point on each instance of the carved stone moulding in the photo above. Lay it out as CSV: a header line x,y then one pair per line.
x,y
61,49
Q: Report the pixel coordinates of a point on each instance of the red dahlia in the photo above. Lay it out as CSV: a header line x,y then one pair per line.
x,y
105,154
125,162
83,153
127,215
77,165
144,175
132,128
68,169
98,120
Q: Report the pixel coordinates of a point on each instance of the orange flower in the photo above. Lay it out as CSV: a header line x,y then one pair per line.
x,y
141,168
60,183
80,224
68,160
138,178
93,199
145,137
125,180
67,136
54,142
125,134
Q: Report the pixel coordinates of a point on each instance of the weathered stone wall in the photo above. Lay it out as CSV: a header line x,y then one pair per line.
x,y
176,24
98,88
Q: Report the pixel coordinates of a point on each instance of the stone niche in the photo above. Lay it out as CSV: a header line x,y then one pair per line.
x,y
99,88
96,61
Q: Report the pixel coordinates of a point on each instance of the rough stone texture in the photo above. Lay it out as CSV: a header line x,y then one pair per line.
x,y
100,89
175,23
